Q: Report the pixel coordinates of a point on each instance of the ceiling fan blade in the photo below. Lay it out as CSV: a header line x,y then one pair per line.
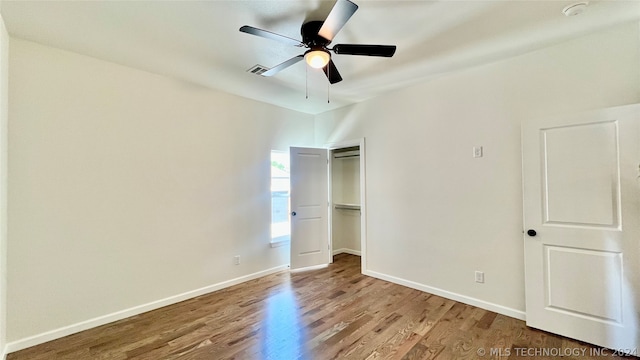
x,y
366,50
270,35
332,72
339,15
276,69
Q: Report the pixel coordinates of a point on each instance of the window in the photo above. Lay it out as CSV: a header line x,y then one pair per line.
x,y
280,225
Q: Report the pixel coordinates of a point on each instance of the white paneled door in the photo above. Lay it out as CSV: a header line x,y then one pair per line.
x,y
582,234
309,207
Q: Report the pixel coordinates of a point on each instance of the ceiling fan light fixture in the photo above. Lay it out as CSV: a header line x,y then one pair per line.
x,y
316,36
317,58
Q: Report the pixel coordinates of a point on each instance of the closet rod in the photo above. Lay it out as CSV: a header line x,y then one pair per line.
x,y
347,207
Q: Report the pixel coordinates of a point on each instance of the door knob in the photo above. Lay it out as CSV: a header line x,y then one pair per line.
x,y
293,213
531,232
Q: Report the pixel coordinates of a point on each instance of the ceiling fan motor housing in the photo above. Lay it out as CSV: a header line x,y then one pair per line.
x,y
310,37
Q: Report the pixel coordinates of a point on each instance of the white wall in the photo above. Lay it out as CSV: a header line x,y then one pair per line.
x,y
129,187
4,77
435,214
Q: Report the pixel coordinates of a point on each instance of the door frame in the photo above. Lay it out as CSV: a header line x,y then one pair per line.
x,y
363,199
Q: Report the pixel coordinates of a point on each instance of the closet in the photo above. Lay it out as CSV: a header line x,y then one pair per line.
x,y
345,200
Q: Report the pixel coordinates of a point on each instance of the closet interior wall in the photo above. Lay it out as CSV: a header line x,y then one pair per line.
x,y
345,196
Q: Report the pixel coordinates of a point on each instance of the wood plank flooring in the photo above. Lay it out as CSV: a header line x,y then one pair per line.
x,y
322,314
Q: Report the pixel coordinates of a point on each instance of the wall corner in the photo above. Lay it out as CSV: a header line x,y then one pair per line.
x,y
4,75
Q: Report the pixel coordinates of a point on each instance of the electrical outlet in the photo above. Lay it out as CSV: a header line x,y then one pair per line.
x,y
236,259
480,277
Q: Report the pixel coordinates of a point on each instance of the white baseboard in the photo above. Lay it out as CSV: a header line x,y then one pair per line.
x,y
4,353
347,251
309,268
136,310
507,311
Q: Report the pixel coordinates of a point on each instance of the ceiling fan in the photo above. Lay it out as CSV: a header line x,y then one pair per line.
x,y
316,36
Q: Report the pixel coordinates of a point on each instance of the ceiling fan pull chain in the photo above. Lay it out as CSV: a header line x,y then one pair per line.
x,y
328,82
306,82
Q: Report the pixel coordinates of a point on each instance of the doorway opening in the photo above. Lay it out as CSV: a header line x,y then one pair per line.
x,y
347,221
328,210
345,201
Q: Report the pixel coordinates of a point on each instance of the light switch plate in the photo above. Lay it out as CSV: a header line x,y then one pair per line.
x,y
477,151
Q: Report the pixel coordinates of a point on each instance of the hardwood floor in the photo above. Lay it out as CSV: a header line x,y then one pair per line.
x,y
322,314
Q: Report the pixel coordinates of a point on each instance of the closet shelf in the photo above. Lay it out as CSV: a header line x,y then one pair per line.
x,y
346,157
340,206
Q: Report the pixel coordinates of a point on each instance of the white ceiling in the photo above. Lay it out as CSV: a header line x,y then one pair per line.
x,y
199,41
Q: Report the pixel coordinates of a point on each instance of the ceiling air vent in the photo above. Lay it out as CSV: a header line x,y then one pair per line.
x,y
258,69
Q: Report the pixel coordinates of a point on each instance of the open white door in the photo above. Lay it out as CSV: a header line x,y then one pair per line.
x,y
582,233
309,207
